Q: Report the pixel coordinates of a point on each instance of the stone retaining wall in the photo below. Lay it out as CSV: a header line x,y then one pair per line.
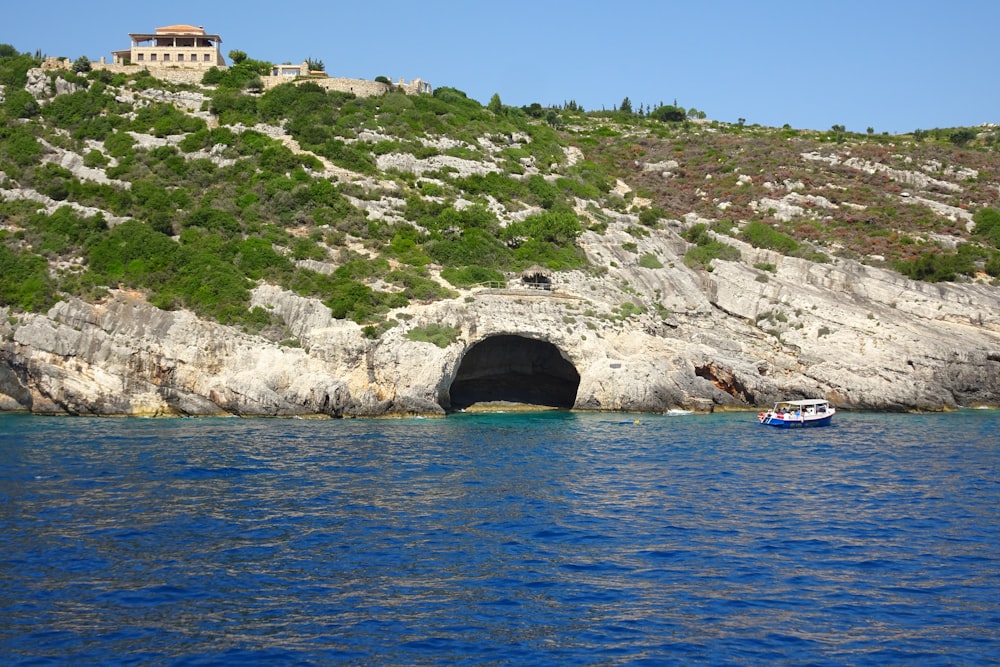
x,y
360,87
193,75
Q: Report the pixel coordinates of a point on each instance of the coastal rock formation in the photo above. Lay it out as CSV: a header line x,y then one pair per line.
x,y
859,336
619,335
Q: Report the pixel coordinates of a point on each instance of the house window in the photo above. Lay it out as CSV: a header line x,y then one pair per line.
x,y
152,56
166,57
141,56
194,57
180,57
208,57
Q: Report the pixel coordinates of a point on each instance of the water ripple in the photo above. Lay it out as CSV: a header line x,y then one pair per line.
x,y
560,539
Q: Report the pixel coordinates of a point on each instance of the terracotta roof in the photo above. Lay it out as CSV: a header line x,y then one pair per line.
x,y
180,28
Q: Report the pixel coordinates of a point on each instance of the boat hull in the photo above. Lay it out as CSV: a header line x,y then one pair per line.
x,y
796,423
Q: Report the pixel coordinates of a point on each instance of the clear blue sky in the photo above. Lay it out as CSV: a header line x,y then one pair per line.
x,y
893,65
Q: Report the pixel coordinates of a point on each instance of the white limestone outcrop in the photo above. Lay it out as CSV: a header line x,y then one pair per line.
x,y
738,337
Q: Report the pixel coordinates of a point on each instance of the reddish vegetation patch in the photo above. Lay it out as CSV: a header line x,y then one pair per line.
x,y
872,216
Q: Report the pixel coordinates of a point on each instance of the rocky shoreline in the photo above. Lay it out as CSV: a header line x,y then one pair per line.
x,y
861,337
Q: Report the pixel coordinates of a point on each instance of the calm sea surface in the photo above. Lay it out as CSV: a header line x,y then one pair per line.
x,y
548,539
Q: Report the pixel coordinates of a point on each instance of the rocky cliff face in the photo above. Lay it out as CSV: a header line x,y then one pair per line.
x,y
615,337
734,338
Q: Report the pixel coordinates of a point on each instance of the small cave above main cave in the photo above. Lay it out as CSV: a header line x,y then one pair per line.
x,y
514,369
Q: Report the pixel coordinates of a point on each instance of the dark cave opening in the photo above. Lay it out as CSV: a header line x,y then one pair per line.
x,y
514,369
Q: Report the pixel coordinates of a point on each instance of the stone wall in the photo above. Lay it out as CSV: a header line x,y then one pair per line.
x,y
50,64
192,75
360,87
171,74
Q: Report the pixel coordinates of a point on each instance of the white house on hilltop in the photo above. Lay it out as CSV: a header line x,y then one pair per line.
x,y
182,53
181,46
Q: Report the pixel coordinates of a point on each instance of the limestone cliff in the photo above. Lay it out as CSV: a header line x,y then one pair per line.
x,y
638,329
862,337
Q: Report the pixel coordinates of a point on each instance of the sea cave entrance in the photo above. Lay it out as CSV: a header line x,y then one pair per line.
x,y
514,369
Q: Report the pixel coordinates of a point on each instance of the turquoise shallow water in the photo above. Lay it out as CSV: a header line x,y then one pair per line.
x,y
561,538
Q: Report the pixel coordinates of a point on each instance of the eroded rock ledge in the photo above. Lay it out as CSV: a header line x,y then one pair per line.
x,y
861,337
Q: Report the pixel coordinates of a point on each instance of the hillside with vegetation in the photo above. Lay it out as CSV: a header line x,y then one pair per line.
x,y
210,203
194,196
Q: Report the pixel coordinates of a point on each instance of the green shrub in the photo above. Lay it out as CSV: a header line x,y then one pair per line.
x,y
63,230
557,227
700,257
133,253
257,258
472,275
472,247
213,219
82,113
628,309
650,217
761,235
436,334
165,119
244,74
650,261
349,299
348,156
95,159
706,249
552,255
936,267
119,144
26,283
53,181
992,265
419,286
19,145
987,225
500,187
816,256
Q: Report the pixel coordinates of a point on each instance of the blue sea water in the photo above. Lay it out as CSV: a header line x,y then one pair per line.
x,y
545,539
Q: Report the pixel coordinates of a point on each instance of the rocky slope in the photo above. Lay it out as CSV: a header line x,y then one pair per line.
x,y
863,337
742,335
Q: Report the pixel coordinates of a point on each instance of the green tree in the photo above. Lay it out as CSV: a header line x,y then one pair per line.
x,y
237,56
82,65
495,105
669,114
962,136
535,110
626,105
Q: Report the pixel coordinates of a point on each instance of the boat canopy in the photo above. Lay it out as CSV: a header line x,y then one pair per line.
x,y
809,402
